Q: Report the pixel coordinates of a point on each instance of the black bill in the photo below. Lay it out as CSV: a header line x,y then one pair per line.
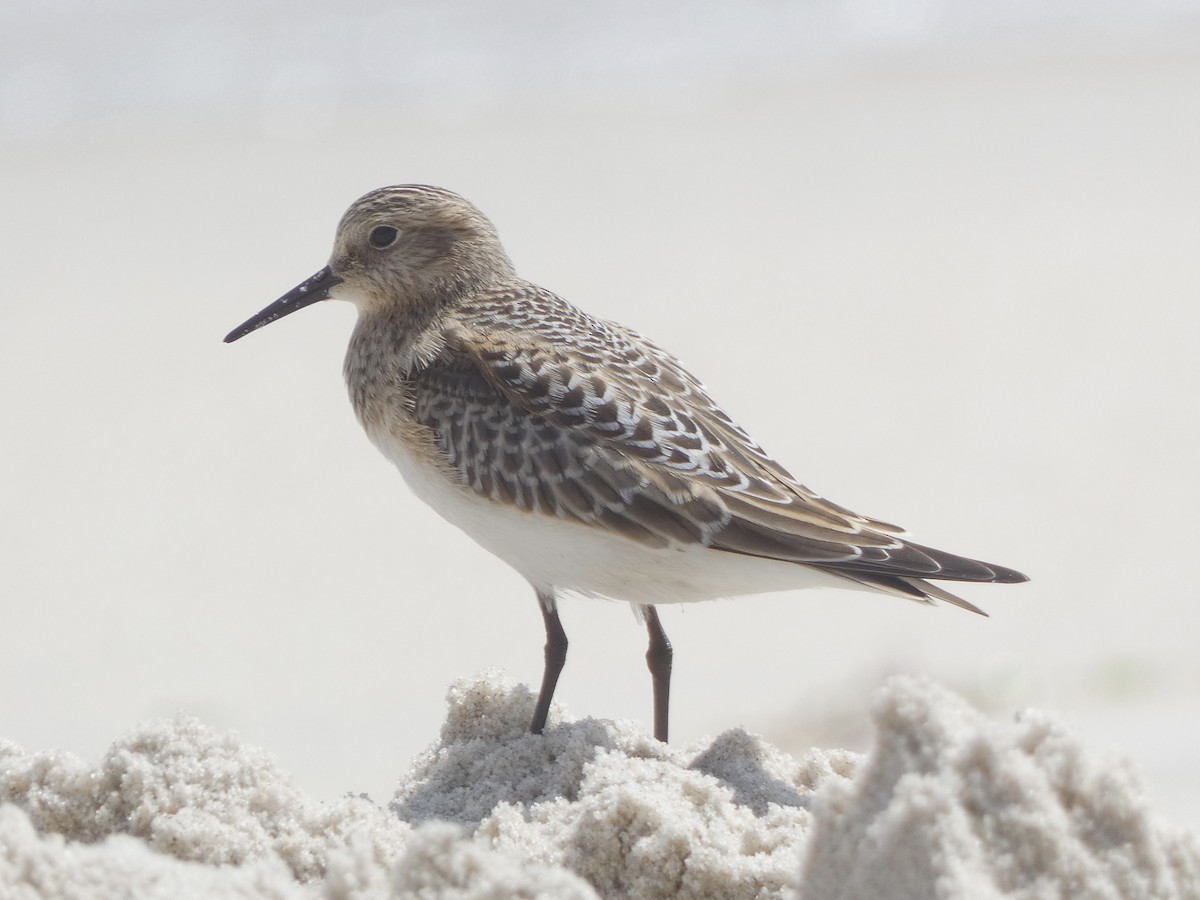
x,y
306,293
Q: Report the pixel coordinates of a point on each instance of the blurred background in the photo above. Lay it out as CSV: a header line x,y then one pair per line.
x,y
941,259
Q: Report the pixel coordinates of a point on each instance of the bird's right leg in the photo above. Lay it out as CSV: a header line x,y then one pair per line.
x,y
658,658
556,657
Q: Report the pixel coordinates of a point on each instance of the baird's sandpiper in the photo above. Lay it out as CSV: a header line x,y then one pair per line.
x,y
577,451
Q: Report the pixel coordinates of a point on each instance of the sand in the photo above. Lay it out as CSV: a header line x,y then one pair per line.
x,y
947,804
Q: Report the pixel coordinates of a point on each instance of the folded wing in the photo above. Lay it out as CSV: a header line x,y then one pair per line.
x,y
587,420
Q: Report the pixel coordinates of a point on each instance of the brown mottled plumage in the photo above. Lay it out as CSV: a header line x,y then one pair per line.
x,y
575,449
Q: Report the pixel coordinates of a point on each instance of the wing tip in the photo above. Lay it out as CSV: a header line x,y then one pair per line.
x,y
933,592
1005,575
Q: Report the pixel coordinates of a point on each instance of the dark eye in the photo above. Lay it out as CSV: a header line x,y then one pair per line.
x,y
383,236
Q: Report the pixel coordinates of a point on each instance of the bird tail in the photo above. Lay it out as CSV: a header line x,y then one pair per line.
x,y
917,589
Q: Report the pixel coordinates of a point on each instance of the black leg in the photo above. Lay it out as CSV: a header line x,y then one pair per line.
x,y
556,657
658,658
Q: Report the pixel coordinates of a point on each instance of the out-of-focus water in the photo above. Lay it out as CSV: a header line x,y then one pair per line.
x,y
70,61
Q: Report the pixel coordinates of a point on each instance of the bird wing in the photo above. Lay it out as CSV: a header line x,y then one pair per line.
x,y
537,404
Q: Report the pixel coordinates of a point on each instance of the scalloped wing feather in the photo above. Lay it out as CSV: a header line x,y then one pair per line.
x,y
538,405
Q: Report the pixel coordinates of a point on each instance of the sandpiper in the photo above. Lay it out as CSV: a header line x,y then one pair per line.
x,y
577,451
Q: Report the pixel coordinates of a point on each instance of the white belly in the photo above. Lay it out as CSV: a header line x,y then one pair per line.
x,y
561,556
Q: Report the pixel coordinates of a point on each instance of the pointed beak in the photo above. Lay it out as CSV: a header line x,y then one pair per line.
x,y
306,293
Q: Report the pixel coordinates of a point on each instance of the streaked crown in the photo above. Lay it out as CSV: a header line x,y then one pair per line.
x,y
414,243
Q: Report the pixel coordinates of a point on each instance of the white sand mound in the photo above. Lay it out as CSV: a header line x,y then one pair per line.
x,y
948,805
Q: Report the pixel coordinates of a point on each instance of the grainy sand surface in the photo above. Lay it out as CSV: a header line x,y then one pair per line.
x,y
947,804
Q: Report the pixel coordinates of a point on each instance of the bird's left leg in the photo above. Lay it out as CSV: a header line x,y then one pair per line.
x,y
556,657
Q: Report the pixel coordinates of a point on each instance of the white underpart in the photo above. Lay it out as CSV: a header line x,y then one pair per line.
x,y
559,556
